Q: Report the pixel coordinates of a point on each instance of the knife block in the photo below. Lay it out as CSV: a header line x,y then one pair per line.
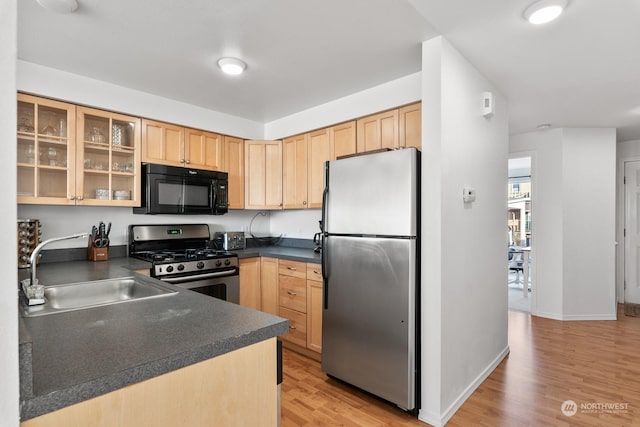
x,y
95,253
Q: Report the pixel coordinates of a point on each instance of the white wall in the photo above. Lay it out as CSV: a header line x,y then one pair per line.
x,y
588,168
625,151
464,297
56,221
53,83
404,90
546,218
573,220
296,224
9,386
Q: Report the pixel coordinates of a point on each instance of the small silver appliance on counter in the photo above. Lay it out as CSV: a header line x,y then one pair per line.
x,y
230,240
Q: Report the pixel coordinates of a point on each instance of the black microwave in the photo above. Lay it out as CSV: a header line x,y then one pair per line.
x,y
182,191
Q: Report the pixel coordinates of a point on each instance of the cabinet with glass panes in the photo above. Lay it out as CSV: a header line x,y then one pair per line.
x,y
46,151
107,158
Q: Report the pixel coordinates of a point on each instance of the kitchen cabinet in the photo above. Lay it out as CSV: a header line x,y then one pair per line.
x,y
342,139
377,131
215,392
46,151
107,158
294,172
173,145
410,126
250,283
162,143
263,174
234,166
292,296
314,307
269,285
319,151
204,150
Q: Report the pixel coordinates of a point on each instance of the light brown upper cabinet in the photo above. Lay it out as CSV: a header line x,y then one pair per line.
x,y
162,143
46,138
263,174
319,151
204,150
107,158
377,131
234,166
294,172
172,145
410,125
343,139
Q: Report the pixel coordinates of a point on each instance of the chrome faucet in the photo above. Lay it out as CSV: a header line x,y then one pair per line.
x,y
36,251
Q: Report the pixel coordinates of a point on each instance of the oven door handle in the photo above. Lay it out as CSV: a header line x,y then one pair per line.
x,y
195,277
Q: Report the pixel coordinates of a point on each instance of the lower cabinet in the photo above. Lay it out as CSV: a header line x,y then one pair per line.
x,y
289,289
314,307
215,392
250,288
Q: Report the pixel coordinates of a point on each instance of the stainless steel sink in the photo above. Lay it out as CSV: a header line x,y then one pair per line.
x,y
83,295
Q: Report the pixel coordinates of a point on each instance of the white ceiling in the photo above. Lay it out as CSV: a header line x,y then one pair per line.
x,y
582,70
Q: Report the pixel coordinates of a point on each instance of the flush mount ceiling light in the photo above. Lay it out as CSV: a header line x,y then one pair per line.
x,y
59,6
544,11
544,126
231,66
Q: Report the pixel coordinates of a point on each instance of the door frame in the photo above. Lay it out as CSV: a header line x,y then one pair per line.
x,y
621,222
534,201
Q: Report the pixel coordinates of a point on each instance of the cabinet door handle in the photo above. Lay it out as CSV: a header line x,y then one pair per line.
x,y
292,268
72,197
316,272
181,160
187,161
304,203
292,327
293,294
80,197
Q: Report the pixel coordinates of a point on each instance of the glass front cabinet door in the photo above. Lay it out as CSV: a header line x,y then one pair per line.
x,y
107,158
46,151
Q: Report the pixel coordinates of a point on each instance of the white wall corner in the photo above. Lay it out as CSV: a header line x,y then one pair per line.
x,y
9,368
394,93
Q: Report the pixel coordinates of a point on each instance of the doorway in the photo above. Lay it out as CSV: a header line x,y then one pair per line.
x,y
519,228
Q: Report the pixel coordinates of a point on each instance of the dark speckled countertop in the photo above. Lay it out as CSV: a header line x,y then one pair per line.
x,y
82,354
285,252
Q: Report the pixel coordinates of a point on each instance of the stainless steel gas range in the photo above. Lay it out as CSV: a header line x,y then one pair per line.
x,y
181,254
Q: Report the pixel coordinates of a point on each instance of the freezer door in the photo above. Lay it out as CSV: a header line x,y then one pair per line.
x,y
368,324
374,194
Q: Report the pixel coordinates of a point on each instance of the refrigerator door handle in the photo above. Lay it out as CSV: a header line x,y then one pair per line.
x,y
324,236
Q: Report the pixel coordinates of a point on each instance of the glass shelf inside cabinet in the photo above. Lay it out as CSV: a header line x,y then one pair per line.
x,y
96,130
52,123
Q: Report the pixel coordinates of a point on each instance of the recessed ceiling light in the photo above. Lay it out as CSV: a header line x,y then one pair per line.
x,y
544,11
59,6
232,66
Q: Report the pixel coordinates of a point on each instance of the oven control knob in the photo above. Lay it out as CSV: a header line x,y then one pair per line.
x,y
218,263
200,265
227,261
169,268
180,267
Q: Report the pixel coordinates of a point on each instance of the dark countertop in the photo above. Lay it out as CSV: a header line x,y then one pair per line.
x,y
82,354
284,252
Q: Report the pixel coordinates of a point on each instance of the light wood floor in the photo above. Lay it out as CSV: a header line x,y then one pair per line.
x,y
551,361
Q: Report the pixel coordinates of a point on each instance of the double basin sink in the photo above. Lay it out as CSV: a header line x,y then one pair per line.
x,y
97,293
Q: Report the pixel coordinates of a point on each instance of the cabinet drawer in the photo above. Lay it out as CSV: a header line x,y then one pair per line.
x,y
292,268
293,293
314,272
297,326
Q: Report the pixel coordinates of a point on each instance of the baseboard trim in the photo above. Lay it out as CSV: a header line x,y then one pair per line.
x,y
572,317
440,421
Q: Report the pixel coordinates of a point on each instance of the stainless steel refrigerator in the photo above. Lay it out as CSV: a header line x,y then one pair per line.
x,y
370,266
